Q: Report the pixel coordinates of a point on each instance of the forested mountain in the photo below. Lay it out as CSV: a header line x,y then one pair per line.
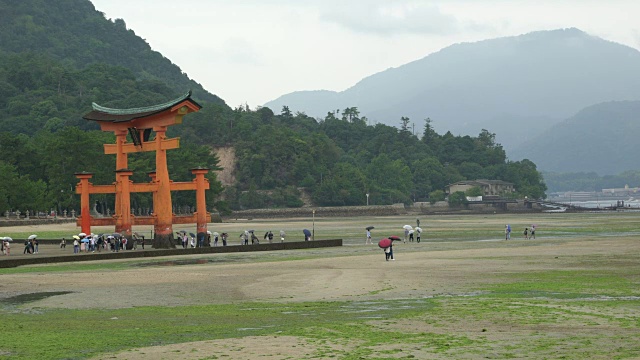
x,y
76,34
515,87
601,138
46,87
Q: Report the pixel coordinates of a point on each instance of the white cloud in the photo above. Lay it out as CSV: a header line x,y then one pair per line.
x,y
392,18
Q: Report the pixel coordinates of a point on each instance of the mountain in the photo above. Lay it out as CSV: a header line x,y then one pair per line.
x,y
512,86
601,138
74,32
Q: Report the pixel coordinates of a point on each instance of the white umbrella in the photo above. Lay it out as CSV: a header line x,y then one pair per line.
x,y
6,238
411,231
408,227
82,234
418,229
31,237
215,233
208,232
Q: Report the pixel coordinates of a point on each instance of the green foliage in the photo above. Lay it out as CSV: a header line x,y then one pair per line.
x,y
474,191
436,195
458,198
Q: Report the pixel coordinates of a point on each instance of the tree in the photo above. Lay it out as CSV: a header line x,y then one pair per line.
x,y
457,199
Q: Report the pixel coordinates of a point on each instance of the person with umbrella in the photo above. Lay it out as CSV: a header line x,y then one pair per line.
x,y
368,241
418,232
76,244
34,243
387,245
282,235
406,232
224,238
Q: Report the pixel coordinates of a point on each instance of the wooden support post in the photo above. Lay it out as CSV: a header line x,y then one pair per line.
x,y
201,204
163,229
123,191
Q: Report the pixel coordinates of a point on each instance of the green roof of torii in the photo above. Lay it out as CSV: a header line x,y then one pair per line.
x,y
101,113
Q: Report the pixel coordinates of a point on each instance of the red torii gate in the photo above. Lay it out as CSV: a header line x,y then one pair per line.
x,y
139,123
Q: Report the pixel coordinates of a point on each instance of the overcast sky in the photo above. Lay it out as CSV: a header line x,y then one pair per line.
x,y
254,51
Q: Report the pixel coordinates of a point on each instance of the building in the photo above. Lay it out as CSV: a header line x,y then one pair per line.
x,y
488,187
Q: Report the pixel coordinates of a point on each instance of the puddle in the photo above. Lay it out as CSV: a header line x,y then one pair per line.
x,y
26,298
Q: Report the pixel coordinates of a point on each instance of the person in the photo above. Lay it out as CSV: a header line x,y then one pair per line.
x,y
254,239
388,252
63,243
533,232
411,235
215,240
193,242
526,233
4,252
142,242
35,246
418,232
406,235
270,237
282,235
76,246
507,232
368,241
185,240
27,247
7,248
224,239
245,237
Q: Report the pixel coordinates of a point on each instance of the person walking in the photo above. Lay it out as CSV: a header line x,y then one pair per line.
x,y
76,246
411,235
27,247
418,232
533,232
224,239
526,233
7,248
406,235
282,235
270,237
368,241
507,232
63,243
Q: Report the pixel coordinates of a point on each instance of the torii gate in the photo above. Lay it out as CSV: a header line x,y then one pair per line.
x,y
139,123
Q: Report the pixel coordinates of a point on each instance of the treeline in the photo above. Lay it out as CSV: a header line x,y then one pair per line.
x,y
340,159
44,140
337,160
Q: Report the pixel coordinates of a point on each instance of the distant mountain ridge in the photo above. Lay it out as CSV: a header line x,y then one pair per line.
x,y
511,86
602,138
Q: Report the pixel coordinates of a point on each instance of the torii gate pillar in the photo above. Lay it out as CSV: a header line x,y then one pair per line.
x,y
85,214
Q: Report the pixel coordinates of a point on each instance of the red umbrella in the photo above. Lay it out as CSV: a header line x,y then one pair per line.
x,y
385,243
395,238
